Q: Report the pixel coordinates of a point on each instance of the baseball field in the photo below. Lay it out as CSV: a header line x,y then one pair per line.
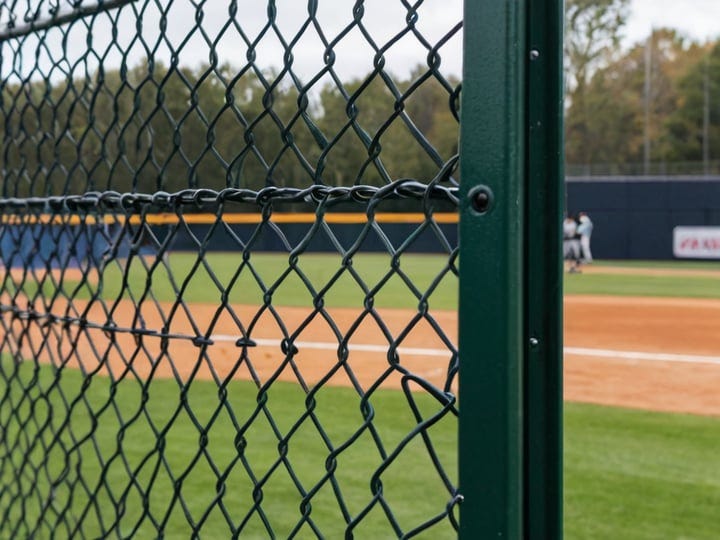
x,y
642,419
642,414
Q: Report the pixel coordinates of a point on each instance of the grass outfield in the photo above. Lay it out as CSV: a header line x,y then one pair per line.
x,y
628,474
643,285
97,456
687,286
416,276
669,265
640,475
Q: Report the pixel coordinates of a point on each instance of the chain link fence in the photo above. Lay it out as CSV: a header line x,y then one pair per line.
x,y
291,371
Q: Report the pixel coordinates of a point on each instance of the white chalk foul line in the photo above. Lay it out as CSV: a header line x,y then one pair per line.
x,y
418,351
326,346
644,356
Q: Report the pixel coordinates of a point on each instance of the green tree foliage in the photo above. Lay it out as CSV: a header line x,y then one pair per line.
x,y
698,90
619,108
153,127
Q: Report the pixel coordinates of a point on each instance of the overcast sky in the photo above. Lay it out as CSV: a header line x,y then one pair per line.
x,y
382,24
384,20
699,19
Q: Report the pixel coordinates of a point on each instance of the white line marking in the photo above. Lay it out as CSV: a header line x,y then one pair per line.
x,y
326,346
645,356
417,351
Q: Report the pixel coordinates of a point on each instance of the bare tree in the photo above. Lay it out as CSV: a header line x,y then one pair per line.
x,y
592,36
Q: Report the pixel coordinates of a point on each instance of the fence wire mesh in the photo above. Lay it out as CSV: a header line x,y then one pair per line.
x,y
219,313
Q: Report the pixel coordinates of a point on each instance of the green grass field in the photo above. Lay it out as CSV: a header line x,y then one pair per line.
x,y
312,275
628,474
686,286
83,439
670,265
640,475
639,285
418,276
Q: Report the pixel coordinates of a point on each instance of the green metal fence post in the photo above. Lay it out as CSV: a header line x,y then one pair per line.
x,y
545,193
510,272
491,265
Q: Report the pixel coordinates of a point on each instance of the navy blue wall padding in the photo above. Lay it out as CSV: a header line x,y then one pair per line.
x,y
61,246
291,235
56,246
634,218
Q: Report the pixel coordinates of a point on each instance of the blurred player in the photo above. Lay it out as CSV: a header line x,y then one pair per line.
x,y
571,243
584,229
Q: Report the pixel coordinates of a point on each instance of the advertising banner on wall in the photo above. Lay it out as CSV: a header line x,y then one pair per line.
x,y
696,242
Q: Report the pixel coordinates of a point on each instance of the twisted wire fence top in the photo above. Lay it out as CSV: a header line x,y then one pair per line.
x,y
163,95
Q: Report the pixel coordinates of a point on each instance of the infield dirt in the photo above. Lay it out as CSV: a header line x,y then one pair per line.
x,y
650,325
678,326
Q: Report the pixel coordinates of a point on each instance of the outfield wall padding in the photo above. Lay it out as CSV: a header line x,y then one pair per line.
x,y
634,217
54,246
345,234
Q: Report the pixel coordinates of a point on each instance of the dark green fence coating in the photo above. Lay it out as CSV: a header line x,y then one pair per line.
x,y
491,289
543,270
151,386
510,278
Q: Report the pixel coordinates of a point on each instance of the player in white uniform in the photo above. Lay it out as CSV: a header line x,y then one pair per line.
x,y
584,229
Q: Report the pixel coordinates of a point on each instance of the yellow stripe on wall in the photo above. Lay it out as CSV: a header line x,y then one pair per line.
x,y
232,218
